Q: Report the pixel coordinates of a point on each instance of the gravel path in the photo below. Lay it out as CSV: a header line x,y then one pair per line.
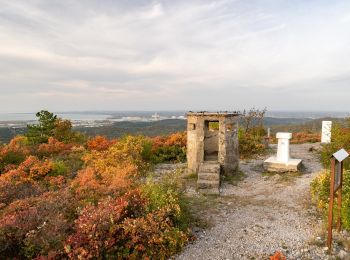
x,y
263,214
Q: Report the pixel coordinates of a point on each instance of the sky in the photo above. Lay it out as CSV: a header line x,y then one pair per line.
x,y
71,55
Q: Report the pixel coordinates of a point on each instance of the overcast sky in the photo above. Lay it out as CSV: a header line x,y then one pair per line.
x,y
166,55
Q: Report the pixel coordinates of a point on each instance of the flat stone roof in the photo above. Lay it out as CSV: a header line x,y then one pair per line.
x,y
218,113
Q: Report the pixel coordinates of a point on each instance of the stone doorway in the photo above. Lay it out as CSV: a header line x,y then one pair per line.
x,y
211,141
212,138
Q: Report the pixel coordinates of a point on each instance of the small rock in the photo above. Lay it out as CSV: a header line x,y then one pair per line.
x,y
345,233
196,230
343,254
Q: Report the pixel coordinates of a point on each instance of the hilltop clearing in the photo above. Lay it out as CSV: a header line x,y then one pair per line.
x,y
262,214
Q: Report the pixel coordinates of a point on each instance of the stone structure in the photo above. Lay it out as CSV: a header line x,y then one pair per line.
x,y
326,132
282,162
212,146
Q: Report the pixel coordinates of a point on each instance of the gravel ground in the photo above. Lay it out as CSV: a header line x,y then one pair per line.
x,y
263,214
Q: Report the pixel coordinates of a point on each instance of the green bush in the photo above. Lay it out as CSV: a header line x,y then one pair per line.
x,y
340,139
173,153
251,142
59,168
168,193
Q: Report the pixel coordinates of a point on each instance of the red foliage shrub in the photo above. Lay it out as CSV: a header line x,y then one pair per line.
x,y
97,227
54,147
14,187
36,226
121,228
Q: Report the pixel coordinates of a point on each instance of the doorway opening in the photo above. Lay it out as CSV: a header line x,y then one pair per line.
x,y
211,141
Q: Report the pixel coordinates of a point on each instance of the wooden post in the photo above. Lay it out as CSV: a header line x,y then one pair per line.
x,y
330,206
340,198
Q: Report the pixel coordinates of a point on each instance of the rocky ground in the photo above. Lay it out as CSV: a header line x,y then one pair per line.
x,y
262,214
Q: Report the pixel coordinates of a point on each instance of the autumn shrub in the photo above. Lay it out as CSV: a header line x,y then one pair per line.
x,y
14,153
14,187
168,193
37,225
278,256
62,199
99,143
53,147
128,150
111,171
59,168
74,160
320,190
91,185
305,137
31,178
251,143
123,228
170,148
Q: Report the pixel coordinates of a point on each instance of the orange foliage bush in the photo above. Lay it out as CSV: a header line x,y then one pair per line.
x,y
13,153
111,170
99,143
305,137
92,185
278,256
34,168
22,182
301,138
179,139
128,151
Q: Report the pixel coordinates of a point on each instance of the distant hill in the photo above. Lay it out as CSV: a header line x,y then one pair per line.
x,y
7,133
314,125
118,129
270,121
164,127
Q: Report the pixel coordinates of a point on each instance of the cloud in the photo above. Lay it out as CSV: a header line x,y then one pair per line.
x,y
172,54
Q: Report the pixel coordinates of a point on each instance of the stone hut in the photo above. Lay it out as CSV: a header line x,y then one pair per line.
x,y
212,138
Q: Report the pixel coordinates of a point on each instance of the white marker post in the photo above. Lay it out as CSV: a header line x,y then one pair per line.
x,y
326,132
282,162
283,150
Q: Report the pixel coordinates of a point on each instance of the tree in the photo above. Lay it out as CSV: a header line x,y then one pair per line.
x,y
40,133
63,130
253,118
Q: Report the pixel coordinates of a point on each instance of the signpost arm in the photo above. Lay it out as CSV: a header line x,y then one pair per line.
x,y
330,207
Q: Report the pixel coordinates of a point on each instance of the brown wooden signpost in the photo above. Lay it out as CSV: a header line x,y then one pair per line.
x,y
336,183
